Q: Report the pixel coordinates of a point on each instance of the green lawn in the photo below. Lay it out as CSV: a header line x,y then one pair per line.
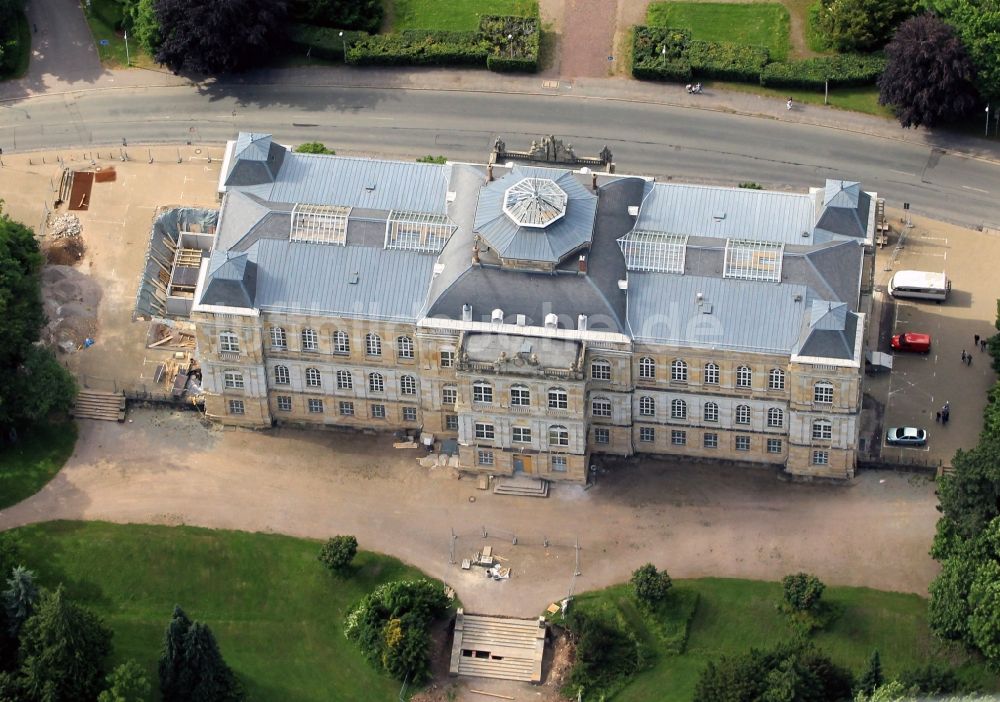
x,y
765,24
454,14
102,17
37,456
731,616
860,99
275,610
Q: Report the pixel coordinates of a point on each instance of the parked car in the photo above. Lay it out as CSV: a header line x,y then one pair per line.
x,y
912,341
906,436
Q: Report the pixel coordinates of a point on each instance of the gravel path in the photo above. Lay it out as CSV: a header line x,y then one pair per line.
x,y
165,467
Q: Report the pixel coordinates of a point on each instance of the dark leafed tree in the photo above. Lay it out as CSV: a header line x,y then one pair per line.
x,y
221,36
172,656
191,665
928,78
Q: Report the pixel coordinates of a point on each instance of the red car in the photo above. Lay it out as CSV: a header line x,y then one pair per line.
x,y
910,341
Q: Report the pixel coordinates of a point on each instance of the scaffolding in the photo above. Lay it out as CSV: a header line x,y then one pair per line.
x,y
417,231
320,224
747,259
656,252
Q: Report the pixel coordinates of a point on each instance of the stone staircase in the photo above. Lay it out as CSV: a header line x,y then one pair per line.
x,y
94,404
521,485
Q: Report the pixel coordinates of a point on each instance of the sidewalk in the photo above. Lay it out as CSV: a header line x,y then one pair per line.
x,y
462,80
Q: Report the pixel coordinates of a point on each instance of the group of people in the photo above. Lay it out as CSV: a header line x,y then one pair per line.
x,y
943,413
977,342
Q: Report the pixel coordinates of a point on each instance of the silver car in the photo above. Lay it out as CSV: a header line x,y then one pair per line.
x,y
906,436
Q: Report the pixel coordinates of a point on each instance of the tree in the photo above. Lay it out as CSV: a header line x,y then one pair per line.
x,y
139,17
126,683
172,656
63,649
20,598
802,591
338,552
970,496
218,37
872,676
650,585
859,25
929,79
930,679
978,24
365,15
313,147
191,665
894,691
606,653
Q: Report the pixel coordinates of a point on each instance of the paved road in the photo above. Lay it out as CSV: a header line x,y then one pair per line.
x,y
661,140
62,48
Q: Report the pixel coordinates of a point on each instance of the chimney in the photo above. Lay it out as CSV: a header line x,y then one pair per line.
x,y
593,180
475,254
466,312
551,320
581,322
521,320
489,173
497,316
583,264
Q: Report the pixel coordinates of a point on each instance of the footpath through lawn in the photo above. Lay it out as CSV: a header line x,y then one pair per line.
x,y
276,611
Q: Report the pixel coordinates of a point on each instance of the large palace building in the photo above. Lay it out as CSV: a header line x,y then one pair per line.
x,y
538,315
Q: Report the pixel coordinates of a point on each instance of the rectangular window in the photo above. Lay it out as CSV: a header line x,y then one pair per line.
x,y
378,411
742,443
774,445
449,396
601,408
647,434
484,458
347,408
559,464
602,435
315,405
710,440
678,438
484,431
236,407
558,399
600,370
284,403
823,393
482,393
520,397
447,359
521,435
409,414
821,458
233,379
229,342
451,422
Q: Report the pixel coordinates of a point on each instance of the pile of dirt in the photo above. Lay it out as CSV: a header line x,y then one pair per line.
x,y
63,226
71,299
64,252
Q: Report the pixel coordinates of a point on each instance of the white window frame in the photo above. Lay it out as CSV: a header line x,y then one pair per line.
x,y
678,437
449,395
602,436
678,409
484,458
378,411
315,405
606,408
345,408
233,380
376,382
282,376
520,396
774,446
314,378
341,343
678,371
279,339
743,415
237,407
600,369
451,422
407,385
710,412
647,406
409,414
775,417
744,377
345,380
821,458
823,393
710,440
712,373
647,368
229,342
482,393
484,431
776,379
822,430
284,403
742,442
447,359
647,435
559,464
310,340
558,399
558,435
404,346
520,435
373,344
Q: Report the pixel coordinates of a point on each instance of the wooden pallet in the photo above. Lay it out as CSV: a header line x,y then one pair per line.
x,y
94,404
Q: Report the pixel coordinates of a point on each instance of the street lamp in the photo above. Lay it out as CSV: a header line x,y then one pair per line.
x,y
987,119
128,60
663,53
344,42
510,43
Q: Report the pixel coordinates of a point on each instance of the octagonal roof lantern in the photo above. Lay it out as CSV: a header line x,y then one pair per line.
x,y
535,202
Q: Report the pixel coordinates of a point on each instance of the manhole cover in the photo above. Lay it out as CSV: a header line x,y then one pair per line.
x,y
197,151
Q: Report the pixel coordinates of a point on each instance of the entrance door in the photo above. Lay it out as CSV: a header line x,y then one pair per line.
x,y
522,464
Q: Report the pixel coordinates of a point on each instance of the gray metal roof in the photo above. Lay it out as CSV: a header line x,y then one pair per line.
x,y
846,209
358,281
232,281
725,213
530,243
830,331
256,159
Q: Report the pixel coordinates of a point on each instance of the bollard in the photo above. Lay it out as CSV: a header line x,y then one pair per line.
x,y
150,151
484,532
178,155
513,541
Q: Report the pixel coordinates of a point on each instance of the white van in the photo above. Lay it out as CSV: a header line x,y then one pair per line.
x,y
920,284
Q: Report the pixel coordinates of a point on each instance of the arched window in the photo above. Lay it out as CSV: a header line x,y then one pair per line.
x,y
744,377
279,340
775,417
520,396
229,342
404,347
679,371
345,381
600,370
743,414
373,344
647,368
482,392
341,342
822,429
281,375
233,380
313,378
600,407
776,379
310,341
711,374
678,409
558,399
710,413
823,392
408,385
376,383
558,435
647,406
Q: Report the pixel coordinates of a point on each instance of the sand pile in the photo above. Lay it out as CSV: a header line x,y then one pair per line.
x,y
71,299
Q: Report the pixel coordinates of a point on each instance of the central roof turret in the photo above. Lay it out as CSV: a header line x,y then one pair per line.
x,y
535,202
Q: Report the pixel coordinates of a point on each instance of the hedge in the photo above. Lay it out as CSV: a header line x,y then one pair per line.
x,y
842,71
323,42
650,62
518,54
419,47
727,61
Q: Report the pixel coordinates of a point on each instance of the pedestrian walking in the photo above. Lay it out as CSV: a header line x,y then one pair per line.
x,y
964,354
968,360
982,344
937,416
944,417
976,337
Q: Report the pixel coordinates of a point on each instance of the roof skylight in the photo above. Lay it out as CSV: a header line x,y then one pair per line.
x,y
535,202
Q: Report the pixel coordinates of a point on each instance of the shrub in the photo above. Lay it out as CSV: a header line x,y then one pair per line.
x,y
726,61
750,185
842,71
650,585
517,54
440,160
365,15
418,47
338,552
607,654
651,62
322,42
802,591
930,679
314,147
